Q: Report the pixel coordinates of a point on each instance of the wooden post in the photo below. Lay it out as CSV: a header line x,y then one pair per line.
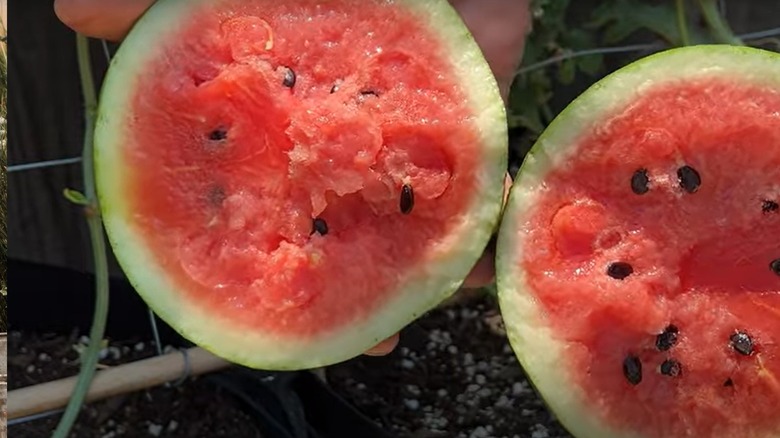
x,y
118,380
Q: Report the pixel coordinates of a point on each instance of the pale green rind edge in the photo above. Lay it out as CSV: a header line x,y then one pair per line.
x,y
533,342
429,285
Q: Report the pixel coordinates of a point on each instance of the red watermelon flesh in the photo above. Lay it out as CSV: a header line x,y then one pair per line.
x,y
289,157
292,167
651,253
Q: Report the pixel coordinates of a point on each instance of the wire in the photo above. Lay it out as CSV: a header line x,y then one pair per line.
x,y
751,36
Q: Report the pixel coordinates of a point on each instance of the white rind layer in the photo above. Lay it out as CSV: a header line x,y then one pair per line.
x,y
539,352
427,286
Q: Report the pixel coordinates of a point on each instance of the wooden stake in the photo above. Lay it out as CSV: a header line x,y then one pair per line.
x,y
114,381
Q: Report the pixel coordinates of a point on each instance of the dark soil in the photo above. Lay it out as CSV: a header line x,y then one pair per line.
x,y
453,375
193,409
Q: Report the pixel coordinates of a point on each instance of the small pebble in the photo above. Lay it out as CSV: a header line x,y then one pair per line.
x,y
139,347
115,353
412,404
407,364
155,429
502,402
479,379
479,432
540,432
518,388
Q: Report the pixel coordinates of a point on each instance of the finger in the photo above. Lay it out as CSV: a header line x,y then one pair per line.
x,y
500,28
108,19
484,272
385,347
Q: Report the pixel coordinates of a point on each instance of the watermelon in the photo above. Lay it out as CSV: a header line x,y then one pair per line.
x,y
288,184
638,260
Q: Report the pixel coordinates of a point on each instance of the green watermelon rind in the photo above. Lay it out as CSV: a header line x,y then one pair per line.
x,y
531,338
427,285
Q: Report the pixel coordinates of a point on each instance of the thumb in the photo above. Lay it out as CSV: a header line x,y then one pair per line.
x,y
108,19
500,28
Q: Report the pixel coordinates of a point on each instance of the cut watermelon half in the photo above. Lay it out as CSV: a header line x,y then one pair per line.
x,y
638,257
289,183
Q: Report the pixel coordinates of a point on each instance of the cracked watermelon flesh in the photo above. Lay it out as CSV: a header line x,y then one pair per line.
x,y
638,266
289,183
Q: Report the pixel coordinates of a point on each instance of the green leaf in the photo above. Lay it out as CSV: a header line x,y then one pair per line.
x,y
619,19
530,93
591,64
75,197
567,71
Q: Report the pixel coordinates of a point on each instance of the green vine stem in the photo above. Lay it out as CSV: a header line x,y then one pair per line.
x,y
682,24
89,358
716,22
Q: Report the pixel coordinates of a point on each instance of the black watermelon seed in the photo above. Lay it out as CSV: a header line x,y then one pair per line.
x,y
334,88
407,199
775,266
619,270
319,226
368,93
289,78
742,343
216,195
671,367
769,206
668,338
632,369
640,182
689,179
728,382
218,134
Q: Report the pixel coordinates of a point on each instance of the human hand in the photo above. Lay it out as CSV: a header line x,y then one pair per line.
x,y
499,27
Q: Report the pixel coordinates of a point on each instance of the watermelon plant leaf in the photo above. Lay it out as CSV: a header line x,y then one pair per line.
x,y
567,71
530,94
75,197
619,19
591,65
578,39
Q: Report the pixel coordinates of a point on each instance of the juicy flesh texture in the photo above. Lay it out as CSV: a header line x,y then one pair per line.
x,y
231,219
701,261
